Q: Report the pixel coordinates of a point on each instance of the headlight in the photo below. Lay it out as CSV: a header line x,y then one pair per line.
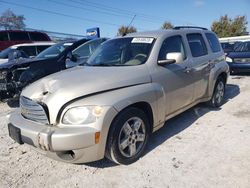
x,y
82,115
228,59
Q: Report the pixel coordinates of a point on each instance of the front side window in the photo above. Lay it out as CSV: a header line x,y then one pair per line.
x,y
170,45
213,42
197,45
85,50
19,36
127,51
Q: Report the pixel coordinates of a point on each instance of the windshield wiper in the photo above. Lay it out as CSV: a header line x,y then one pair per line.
x,y
99,64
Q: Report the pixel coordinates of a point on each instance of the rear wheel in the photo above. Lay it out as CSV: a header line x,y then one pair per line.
x,y
128,136
218,94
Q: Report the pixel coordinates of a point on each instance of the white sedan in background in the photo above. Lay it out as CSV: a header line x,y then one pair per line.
x,y
26,50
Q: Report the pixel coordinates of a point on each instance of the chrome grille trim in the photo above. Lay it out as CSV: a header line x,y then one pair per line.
x,y
33,111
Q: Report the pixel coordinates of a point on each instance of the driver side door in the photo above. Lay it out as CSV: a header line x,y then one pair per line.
x,y
175,78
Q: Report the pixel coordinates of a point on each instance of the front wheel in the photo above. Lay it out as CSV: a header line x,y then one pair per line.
x,y
219,93
128,136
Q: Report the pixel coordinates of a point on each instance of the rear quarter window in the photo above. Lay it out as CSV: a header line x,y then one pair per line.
x,y
4,36
38,37
19,36
197,44
213,42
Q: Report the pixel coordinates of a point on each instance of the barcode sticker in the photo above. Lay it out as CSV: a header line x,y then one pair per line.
x,y
142,40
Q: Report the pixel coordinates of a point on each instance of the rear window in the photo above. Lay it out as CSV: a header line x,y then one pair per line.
x,y
19,36
213,42
4,36
197,45
38,37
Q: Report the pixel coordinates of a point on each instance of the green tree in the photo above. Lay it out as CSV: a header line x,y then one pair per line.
x,y
123,30
9,20
167,25
228,27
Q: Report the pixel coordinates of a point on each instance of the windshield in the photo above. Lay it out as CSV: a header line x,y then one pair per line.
x,y
4,54
243,47
54,50
122,52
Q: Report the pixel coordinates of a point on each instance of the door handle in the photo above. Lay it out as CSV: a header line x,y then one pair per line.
x,y
211,64
187,70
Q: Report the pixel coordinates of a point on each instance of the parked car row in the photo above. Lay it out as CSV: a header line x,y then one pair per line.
x,y
18,73
126,90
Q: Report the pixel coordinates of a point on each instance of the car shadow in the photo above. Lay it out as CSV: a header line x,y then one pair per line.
x,y
176,125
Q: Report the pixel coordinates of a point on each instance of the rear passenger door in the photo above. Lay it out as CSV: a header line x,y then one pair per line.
x,y
200,63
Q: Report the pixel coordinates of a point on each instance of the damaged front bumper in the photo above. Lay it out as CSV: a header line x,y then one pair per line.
x,y
67,144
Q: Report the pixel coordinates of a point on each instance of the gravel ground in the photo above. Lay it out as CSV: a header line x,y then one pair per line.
x,y
201,147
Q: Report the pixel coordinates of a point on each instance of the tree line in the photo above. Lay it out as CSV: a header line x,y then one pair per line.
x,y
223,27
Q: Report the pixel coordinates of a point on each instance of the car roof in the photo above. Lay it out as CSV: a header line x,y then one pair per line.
x,y
163,32
33,44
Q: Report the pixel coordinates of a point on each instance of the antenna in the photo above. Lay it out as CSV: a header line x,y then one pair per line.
x,y
129,25
132,20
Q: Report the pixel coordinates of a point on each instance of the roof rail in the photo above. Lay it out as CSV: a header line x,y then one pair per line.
x,y
189,27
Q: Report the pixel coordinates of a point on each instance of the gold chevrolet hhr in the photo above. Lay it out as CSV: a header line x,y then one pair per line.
x,y
127,89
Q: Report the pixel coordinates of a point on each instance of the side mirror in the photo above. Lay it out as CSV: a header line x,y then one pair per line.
x,y
173,57
71,57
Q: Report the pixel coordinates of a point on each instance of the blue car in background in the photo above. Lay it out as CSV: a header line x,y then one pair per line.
x,y
239,59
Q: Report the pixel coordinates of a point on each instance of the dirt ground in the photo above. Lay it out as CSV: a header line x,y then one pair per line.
x,y
201,147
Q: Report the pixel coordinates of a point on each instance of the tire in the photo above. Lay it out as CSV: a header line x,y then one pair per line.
x,y
219,93
126,143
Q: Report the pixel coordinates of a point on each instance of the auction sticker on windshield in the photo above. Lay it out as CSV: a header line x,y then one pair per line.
x,y
142,40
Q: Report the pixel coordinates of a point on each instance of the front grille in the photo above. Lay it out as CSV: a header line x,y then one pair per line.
x,y
33,111
242,60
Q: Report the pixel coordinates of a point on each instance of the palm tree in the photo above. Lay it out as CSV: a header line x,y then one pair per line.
x,y
123,30
167,25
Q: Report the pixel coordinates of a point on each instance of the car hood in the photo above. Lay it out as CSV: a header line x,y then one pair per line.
x,y
239,55
60,88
